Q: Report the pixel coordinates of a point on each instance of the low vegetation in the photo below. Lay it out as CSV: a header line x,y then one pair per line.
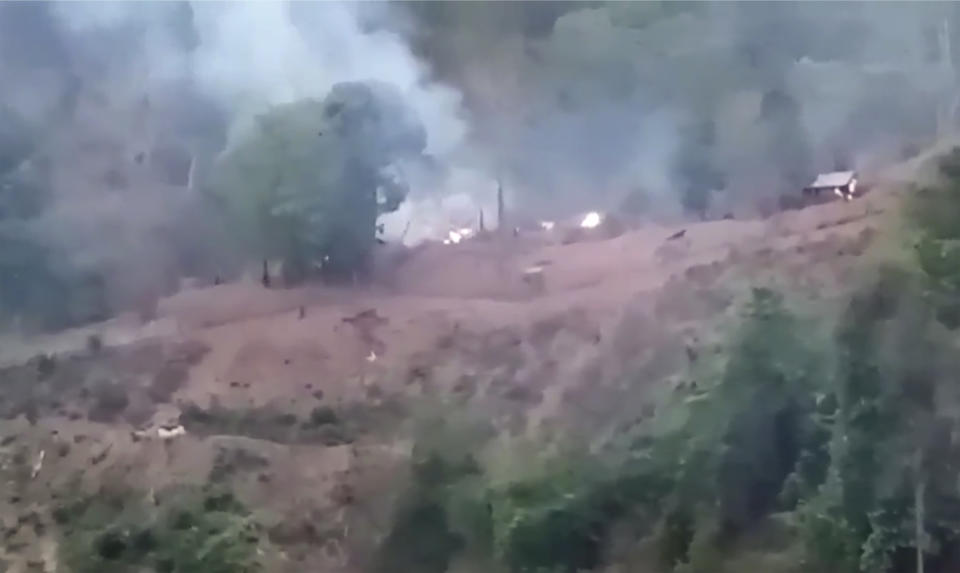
x,y
105,387
193,531
267,423
835,435
326,425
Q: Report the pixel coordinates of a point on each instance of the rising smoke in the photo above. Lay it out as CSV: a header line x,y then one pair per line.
x,y
572,106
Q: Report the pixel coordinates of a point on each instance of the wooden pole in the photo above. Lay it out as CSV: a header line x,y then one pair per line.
x,y
501,222
919,492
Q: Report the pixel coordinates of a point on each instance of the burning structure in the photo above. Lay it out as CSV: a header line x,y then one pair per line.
x,y
843,184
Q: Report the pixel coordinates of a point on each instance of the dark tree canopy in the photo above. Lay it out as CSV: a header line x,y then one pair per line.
x,y
307,182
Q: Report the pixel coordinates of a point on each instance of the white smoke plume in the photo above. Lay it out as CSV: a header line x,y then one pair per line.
x,y
250,55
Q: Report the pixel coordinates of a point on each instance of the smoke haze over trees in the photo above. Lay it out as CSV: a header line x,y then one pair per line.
x,y
114,114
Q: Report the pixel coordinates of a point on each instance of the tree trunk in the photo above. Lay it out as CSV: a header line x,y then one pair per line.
x,y
501,224
919,492
946,114
192,173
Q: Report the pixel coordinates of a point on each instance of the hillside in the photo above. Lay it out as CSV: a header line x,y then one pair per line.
x,y
301,401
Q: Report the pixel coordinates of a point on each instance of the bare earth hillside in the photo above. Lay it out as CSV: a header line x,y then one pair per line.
x,y
300,399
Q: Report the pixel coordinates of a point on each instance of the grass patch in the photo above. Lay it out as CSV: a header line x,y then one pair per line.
x,y
194,532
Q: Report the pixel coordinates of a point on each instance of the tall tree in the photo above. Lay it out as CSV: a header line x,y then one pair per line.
x,y
308,181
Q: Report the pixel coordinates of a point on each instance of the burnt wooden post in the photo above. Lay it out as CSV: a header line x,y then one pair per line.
x,y
501,223
265,279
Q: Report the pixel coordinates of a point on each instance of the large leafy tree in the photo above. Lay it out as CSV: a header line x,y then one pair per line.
x,y
308,180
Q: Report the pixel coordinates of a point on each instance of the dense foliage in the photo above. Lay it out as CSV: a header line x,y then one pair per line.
x,y
192,532
933,211
838,432
308,181
304,185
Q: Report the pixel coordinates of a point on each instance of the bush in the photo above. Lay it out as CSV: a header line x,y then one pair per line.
x,y
420,540
422,537
110,400
196,533
539,529
933,212
559,520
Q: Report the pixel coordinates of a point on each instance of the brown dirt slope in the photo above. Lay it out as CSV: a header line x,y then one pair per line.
x,y
299,399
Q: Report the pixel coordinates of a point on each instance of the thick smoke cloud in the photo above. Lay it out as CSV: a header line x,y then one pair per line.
x,y
571,105
119,105
250,55
579,103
